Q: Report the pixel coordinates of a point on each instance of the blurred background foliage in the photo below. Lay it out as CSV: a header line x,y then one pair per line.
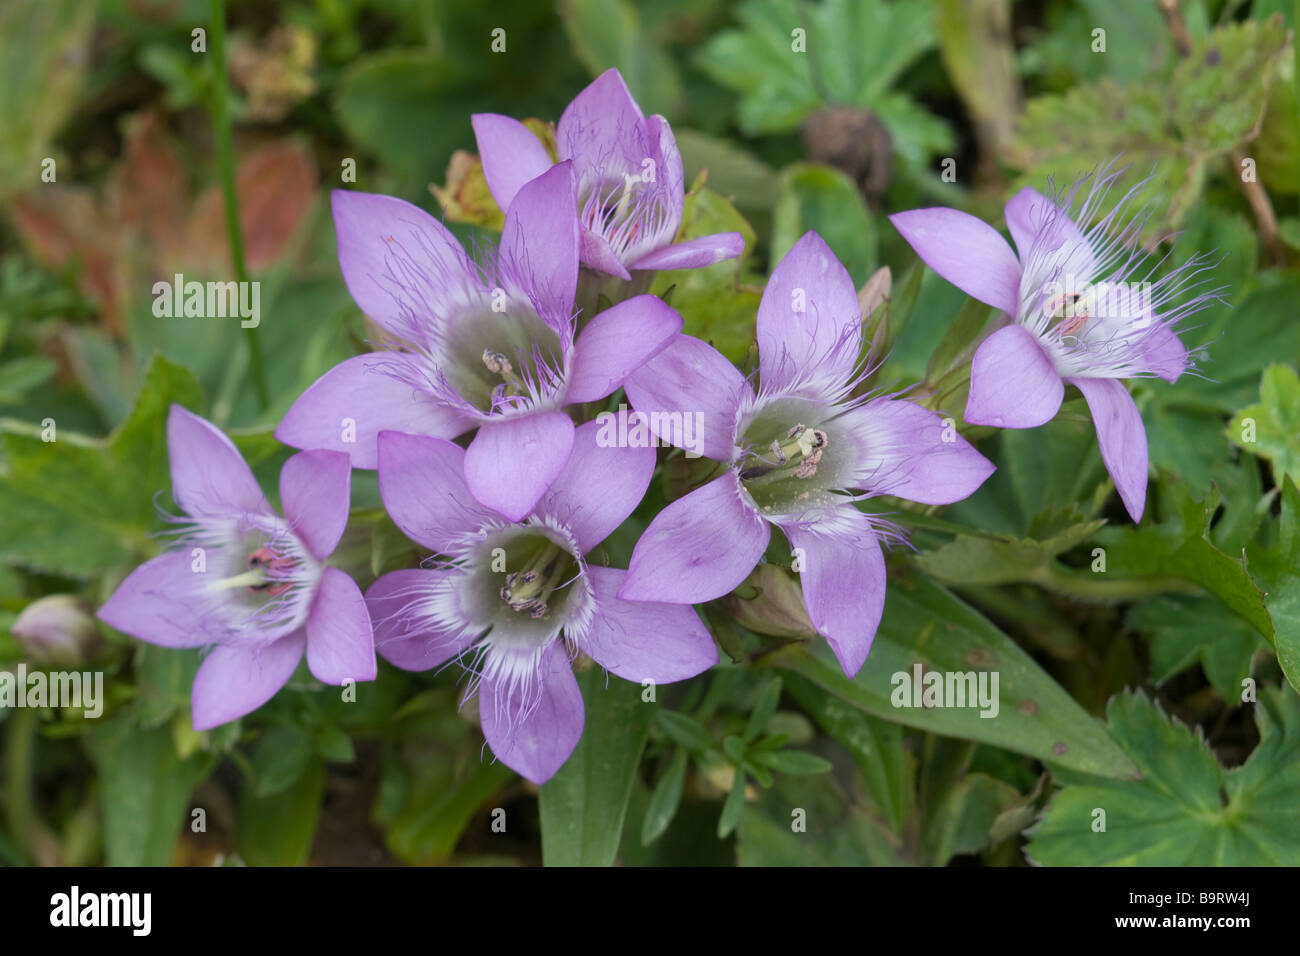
x,y
1121,689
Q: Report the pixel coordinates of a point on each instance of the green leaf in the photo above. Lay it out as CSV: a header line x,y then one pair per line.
x,y
826,200
429,830
999,559
876,745
732,806
925,624
77,506
145,790
1187,629
764,707
1274,423
665,800
583,805
685,731
1187,810
1277,572
796,763
279,830
279,759
21,375
963,821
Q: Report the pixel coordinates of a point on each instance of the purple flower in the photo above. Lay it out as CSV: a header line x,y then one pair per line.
x,y
1085,311
630,184
246,580
491,346
515,601
799,453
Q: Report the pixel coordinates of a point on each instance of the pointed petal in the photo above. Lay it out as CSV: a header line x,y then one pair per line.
x,y
909,452
600,485
1164,353
511,154
340,643
315,490
209,475
1121,436
511,463
690,382
1041,227
406,616
698,548
236,679
599,255
1013,383
808,317
422,484
347,407
375,234
843,578
645,640
966,251
616,343
598,121
694,253
534,737
157,601
540,240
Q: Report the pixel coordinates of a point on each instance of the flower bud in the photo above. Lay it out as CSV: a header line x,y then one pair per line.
x,y
58,629
770,602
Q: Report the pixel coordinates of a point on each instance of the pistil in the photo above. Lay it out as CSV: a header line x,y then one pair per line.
x,y
799,454
530,589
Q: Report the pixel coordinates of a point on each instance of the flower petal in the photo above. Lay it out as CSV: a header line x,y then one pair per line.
x,y
422,485
347,407
534,737
842,571
539,242
645,640
616,343
694,253
598,254
315,490
600,485
510,463
966,251
1164,353
408,633
340,642
1044,230
236,679
374,233
1013,383
908,451
698,548
690,380
209,475
808,319
1121,436
157,602
598,121
511,154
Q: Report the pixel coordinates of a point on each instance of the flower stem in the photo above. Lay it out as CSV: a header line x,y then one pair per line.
x,y
1088,586
19,763
226,166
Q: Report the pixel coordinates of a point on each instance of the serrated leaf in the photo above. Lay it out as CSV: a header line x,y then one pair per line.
x,y
1187,629
1274,423
1187,810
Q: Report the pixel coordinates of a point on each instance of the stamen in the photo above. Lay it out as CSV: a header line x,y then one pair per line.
x,y
528,590
802,451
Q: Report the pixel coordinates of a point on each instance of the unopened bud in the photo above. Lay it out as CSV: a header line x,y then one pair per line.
x,y
58,629
770,602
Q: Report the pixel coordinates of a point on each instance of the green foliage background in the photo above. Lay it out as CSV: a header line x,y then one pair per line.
x,y
1158,686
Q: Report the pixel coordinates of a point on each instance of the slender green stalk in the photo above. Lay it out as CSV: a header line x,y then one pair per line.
x,y
226,165
19,771
1087,586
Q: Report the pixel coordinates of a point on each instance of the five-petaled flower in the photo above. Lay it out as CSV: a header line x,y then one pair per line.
x,y
253,585
515,601
630,182
799,453
1084,308
492,346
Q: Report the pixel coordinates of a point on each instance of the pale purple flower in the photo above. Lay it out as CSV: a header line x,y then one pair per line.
x,y
630,182
489,345
516,601
1085,310
799,452
250,584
